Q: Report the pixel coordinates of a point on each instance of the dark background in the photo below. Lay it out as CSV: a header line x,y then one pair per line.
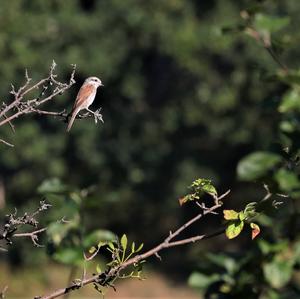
x,y
182,100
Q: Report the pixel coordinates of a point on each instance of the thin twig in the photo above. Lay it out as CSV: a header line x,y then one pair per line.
x,y
33,235
167,243
19,106
6,143
14,222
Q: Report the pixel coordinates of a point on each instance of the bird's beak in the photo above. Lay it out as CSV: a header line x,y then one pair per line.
x,y
101,84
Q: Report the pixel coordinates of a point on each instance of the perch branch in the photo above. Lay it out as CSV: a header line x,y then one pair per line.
x,y
20,106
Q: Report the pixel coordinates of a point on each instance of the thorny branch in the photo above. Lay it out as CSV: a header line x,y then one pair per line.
x,y
48,88
14,222
105,278
21,105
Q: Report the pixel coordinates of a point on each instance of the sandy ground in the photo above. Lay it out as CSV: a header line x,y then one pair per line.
x,y
28,283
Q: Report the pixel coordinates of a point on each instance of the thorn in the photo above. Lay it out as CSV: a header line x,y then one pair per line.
x,y
158,256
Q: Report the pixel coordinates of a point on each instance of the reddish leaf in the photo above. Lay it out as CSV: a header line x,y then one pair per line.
x,y
255,230
182,200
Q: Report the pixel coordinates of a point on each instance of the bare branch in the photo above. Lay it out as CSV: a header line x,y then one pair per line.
x,y
21,106
13,223
33,235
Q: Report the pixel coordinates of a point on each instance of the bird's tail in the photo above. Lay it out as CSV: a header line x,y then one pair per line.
x,y
74,113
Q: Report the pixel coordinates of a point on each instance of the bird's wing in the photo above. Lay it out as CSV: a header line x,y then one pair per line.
x,y
84,92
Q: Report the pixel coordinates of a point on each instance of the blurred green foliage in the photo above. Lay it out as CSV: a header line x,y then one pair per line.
x,y
188,93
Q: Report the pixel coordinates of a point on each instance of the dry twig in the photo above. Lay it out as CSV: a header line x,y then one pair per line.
x,y
24,103
13,223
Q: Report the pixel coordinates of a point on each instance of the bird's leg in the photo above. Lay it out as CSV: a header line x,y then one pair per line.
x,y
90,111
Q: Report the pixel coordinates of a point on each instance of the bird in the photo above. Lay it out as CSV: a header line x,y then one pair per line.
x,y
85,98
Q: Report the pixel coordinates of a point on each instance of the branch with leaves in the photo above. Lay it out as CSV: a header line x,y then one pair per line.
x,y
126,261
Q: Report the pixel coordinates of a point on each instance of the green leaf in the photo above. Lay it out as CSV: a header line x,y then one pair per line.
x,y
267,248
53,185
199,187
202,281
133,247
234,229
221,260
69,256
92,249
257,165
99,235
278,273
210,189
98,269
270,23
250,211
204,185
290,101
287,181
242,216
124,242
230,215
140,247
111,245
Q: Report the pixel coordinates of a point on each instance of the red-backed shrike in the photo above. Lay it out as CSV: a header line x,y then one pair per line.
x,y
85,98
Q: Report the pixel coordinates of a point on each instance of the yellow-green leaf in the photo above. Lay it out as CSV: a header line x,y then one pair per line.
x,y
111,245
98,269
230,215
234,229
124,242
132,247
140,248
92,249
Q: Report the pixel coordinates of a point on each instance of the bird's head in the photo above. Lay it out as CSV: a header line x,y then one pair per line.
x,y
93,80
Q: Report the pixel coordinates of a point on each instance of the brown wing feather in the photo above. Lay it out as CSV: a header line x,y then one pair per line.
x,y
83,94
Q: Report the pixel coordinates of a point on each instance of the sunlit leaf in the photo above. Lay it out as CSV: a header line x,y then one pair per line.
x,y
234,229
133,247
98,269
92,249
111,245
124,242
140,247
230,215
250,210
